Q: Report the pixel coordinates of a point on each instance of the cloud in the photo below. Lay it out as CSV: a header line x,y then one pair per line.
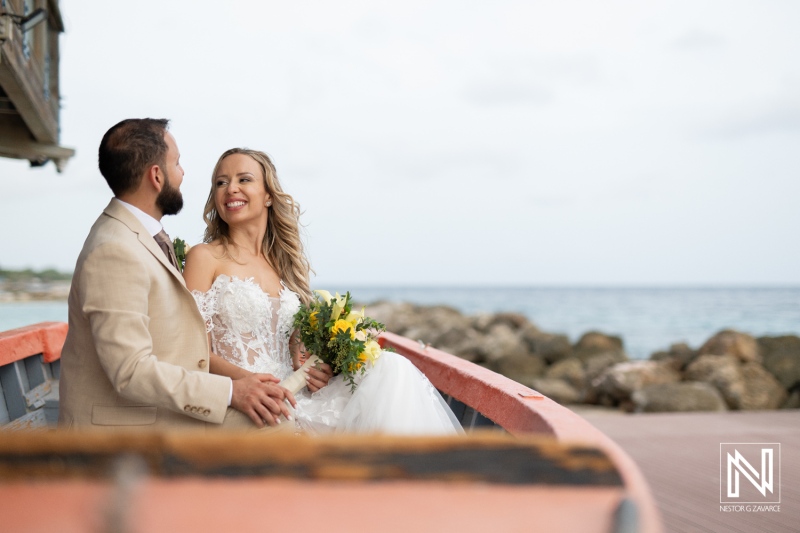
x,y
505,92
693,40
760,120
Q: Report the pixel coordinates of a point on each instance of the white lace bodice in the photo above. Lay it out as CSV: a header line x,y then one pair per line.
x,y
248,327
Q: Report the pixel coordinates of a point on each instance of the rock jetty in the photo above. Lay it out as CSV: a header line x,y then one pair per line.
x,y
730,371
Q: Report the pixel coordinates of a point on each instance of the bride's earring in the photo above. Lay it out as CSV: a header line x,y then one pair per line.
x,y
269,203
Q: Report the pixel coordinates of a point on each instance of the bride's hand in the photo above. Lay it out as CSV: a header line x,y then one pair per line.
x,y
318,376
298,351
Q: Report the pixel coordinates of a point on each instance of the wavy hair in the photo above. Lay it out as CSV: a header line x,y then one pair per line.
x,y
282,245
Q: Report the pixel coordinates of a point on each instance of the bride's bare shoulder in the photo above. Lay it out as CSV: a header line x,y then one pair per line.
x,y
202,266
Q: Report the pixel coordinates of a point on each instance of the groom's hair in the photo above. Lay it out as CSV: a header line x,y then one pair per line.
x,y
128,149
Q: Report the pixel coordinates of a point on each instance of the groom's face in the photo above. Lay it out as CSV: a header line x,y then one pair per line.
x,y
170,200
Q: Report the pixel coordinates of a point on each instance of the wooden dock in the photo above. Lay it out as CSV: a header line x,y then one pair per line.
x,y
679,455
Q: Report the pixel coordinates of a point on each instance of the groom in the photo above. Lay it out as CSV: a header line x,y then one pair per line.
x,y
137,351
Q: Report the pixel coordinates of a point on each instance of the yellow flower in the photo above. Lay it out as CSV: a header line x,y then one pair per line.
x,y
338,305
354,317
343,325
312,318
372,350
361,335
325,295
338,302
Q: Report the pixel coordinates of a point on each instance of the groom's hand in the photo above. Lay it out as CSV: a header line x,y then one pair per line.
x,y
318,376
261,399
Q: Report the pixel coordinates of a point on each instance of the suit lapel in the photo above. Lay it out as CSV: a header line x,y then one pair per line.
x,y
119,212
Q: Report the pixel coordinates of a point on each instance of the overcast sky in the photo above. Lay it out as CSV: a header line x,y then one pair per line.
x,y
458,143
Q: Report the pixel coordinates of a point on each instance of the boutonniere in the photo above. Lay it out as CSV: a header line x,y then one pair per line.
x,y
181,249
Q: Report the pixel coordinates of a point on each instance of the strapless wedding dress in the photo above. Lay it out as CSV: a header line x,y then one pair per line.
x,y
251,329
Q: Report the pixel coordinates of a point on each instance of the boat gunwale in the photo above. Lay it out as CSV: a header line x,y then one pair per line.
x,y
522,411
516,408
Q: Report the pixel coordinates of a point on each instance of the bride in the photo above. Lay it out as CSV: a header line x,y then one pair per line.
x,y
249,279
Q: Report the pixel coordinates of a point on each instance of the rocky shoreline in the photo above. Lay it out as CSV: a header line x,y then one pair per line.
x,y
34,292
730,371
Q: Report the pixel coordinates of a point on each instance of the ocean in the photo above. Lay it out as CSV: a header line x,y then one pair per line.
x,y
647,319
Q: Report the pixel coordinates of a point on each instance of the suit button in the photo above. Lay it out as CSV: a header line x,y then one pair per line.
x,y
202,363
194,409
187,408
206,412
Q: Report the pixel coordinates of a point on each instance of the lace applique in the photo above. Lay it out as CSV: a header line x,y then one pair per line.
x,y
248,327
290,304
206,304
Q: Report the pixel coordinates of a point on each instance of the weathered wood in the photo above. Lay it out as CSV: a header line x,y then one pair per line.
x,y
22,80
485,458
679,455
13,392
16,141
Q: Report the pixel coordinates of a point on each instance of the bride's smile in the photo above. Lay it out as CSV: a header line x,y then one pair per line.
x,y
239,191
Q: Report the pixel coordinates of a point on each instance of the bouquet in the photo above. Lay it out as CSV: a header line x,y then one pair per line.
x,y
336,335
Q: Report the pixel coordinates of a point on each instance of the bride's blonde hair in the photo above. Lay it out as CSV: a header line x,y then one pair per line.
x,y
282,245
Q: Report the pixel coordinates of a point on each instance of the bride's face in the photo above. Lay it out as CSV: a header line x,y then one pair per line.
x,y
240,194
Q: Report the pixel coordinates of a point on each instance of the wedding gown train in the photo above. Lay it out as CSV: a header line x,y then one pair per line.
x,y
251,329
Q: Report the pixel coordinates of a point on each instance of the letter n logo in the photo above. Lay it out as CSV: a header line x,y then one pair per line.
x,y
750,472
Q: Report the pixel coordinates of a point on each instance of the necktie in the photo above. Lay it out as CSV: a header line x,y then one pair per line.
x,y
166,246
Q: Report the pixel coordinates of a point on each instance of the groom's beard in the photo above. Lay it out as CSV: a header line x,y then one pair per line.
x,y
169,200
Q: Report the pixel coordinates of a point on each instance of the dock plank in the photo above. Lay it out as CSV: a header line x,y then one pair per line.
x,y
678,454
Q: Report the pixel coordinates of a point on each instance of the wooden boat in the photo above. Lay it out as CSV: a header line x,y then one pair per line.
x,y
527,464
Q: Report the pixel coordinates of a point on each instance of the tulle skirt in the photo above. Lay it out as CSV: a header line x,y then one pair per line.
x,y
392,397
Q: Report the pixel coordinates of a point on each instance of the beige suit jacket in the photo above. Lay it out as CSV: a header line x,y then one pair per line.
x,y
136,353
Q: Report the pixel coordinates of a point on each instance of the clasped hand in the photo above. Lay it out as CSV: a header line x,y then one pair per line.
x,y
316,376
261,398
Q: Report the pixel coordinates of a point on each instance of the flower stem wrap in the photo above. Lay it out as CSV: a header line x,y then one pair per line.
x,y
297,380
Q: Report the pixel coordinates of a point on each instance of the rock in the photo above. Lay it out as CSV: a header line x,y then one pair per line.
x,y
678,397
569,370
438,325
553,347
521,368
621,380
557,390
397,317
730,342
683,353
762,390
782,358
485,321
594,342
744,386
721,371
596,364
512,320
501,341
678,356
793,400
482,321
469,346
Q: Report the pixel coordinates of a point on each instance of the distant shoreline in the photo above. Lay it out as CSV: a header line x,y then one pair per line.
x,y
30,285
35,292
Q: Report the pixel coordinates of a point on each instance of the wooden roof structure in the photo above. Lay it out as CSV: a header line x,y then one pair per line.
x,y
30,99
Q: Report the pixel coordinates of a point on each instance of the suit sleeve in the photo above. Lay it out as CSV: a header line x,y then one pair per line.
x,y
115,292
